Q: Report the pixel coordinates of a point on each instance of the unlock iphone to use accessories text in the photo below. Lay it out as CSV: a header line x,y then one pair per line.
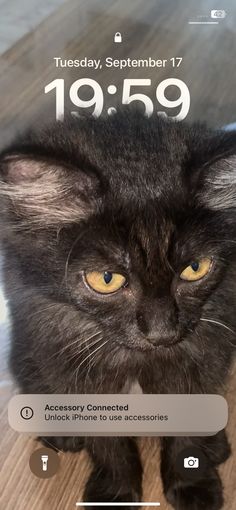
x,y
118,254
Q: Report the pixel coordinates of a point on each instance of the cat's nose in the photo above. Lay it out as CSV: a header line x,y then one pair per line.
x,y
163,339
159,324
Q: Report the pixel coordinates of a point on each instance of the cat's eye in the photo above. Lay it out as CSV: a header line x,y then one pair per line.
x,y
105,282
196,270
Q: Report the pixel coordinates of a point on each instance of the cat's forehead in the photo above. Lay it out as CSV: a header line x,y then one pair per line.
x,y
140,159
135,240
149,242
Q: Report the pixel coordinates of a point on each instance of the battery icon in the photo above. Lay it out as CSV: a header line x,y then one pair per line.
x,y
218,14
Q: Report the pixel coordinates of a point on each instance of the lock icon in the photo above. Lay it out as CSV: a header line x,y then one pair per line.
x,y
117,37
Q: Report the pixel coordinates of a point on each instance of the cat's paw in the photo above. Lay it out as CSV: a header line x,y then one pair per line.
x,y
99,490
204,494
65,443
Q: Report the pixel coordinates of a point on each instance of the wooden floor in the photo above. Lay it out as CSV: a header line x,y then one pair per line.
x,y
156,28
21,490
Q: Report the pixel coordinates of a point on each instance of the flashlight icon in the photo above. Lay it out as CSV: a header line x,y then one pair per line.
x,y
44,459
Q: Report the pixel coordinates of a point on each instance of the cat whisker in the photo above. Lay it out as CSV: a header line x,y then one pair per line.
x,y
92,362
91,354
193,353
63,349
218,323
91,357
77,341
113,349
74,356
77,353
43,310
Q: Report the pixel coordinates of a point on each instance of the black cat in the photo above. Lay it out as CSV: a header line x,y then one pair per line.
x,y
119,237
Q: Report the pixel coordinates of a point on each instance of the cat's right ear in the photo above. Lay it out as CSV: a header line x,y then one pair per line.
x,y
213,180
218,192
41,193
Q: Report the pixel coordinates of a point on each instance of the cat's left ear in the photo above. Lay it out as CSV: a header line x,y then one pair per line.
x,y
218,179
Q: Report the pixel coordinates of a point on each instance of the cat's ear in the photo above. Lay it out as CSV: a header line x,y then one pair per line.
x,y
43,193
217,181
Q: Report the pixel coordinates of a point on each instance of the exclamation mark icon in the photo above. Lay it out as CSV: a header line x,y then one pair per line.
x,y
27,413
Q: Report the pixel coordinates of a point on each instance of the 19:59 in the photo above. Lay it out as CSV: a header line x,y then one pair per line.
x,y
128,96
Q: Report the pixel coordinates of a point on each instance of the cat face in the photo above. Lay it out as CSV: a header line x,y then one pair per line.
x,y
129,221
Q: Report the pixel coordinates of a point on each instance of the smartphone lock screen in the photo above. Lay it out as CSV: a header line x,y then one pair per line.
x,y
117,254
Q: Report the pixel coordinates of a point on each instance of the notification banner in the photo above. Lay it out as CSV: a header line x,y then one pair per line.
x,y
118,415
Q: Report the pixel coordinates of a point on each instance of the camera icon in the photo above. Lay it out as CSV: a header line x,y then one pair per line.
x,y
191,462
218,14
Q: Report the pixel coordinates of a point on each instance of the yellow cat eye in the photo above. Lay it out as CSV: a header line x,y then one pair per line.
x,y
196,270
105,282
